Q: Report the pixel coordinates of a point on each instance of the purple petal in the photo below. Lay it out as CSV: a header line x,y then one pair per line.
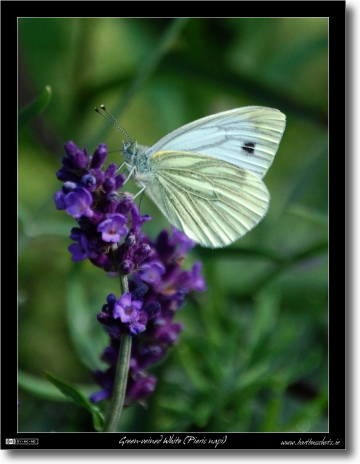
x,y
78,203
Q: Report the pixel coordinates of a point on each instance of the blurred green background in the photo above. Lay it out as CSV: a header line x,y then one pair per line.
x,y
253,354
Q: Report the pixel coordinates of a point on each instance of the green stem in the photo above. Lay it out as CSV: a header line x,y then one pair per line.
x,y
122,368
118,396
124,285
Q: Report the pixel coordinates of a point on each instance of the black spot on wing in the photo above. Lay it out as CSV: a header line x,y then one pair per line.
x,y
249,147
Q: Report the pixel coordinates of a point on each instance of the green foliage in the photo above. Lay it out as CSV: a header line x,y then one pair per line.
x,y
74,395
253,353
35,108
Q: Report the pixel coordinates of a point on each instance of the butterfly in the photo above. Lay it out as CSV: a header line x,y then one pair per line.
x,y
206,176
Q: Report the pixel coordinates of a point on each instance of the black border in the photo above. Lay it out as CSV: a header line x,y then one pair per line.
x,y
234,441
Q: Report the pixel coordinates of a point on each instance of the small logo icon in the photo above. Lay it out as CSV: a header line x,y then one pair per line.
x,y
22,441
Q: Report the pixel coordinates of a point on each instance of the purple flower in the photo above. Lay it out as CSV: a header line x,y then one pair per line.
x,y
192,280
130,313
152,272
181,241
137,220
106,381
59,199
142,252
76,158
157,291
126,309
113,228
78,203
140,388
81,250
99,157
88,181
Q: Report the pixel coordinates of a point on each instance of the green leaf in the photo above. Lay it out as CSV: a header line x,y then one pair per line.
x,y
73,394
42,389
273,408
202,412
87,341
38,387
190,364
265,316
309,214
36,107
238,252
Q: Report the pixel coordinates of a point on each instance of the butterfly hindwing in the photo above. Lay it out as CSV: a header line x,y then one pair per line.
x,y
213,202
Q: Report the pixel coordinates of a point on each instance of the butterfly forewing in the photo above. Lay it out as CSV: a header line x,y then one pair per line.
x,y
246,137
213,202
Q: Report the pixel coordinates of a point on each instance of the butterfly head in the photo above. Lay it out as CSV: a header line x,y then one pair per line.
x,y
129,150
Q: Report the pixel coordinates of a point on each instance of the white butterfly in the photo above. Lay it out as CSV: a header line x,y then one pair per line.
x,y
205,177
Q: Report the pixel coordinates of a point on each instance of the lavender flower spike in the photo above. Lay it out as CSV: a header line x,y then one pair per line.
x,y
109,234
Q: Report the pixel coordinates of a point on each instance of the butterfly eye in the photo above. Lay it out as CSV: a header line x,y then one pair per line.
x,y
129,149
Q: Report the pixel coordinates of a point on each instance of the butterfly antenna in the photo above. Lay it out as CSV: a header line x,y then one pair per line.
x,y
113,121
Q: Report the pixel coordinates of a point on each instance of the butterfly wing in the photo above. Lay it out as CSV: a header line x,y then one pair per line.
x,y
247,137
213,202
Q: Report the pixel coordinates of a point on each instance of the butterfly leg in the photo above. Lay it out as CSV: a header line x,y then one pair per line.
x,y
123,164
139,192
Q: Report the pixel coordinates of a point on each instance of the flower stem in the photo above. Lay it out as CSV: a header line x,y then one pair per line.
x,y
122,369
124,285
118,396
